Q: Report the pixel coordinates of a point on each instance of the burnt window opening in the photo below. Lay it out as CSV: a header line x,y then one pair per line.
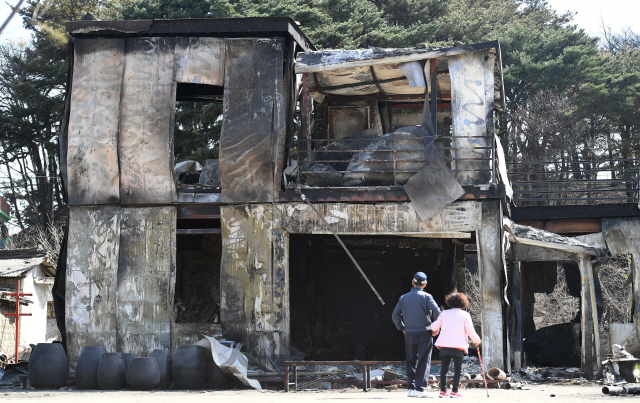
x,y
334,313
197,127
551,313
198,257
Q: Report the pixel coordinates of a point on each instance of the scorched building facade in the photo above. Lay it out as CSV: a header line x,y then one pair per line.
x,y
393,150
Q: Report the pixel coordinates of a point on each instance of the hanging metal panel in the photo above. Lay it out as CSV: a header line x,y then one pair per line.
x,y
252,68
472,109
146,279
145,145
92,159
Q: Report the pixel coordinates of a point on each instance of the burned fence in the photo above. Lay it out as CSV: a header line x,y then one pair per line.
x,y
369,158
579,182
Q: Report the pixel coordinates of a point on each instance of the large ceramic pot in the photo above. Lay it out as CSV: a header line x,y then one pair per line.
x,y
189,368
143,373
164,365
87,367
112,374
217,379
127,357
48,366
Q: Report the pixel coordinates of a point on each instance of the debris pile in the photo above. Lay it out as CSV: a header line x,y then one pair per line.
x,y
620,367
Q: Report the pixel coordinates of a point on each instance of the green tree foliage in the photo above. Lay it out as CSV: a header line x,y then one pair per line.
x,y
197,131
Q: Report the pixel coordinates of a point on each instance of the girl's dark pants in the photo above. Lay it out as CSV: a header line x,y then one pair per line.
x,y
447,355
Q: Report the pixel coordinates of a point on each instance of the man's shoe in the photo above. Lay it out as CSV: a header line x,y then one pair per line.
x,y
411,393
421,394
443,394
455,394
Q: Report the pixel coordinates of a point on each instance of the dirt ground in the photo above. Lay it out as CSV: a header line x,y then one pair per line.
x,y
537,394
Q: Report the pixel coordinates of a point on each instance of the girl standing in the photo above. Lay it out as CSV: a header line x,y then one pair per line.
x,y
455,326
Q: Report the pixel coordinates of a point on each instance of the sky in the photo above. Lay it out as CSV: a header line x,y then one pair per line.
x,y
617,14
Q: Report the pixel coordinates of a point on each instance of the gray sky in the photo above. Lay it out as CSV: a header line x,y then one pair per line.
x,y
618,14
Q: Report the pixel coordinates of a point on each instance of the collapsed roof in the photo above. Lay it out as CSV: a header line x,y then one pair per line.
x,y
377,71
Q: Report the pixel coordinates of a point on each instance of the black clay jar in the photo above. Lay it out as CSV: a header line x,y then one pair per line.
x,y
48,366
189,368
87,367
218,380
127,357
143,373
164,365
112,374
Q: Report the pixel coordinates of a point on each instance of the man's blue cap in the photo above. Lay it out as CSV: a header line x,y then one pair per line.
x,y
420,278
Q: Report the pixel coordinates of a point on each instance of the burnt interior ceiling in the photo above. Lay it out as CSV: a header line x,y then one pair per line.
x,y
197,296
334,313
198,92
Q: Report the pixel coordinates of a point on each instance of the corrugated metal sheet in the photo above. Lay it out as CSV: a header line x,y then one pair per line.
x,y
17,267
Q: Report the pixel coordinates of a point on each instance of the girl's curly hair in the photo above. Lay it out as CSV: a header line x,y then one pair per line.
x,y
456,300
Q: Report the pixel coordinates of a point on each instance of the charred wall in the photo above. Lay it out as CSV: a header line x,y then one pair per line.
x,y
256,268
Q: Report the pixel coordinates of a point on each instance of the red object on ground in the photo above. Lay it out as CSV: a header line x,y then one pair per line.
x,y
17,294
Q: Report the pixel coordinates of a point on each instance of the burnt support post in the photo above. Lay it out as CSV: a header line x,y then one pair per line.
x,y
489,238
460,268
517,314
587,355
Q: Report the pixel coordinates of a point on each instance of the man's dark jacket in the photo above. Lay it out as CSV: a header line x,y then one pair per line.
x,y
415,311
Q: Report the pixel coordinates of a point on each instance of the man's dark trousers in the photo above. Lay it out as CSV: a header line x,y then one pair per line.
x,y
418,346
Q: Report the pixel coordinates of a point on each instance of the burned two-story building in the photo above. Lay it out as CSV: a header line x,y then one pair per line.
x,y
340,174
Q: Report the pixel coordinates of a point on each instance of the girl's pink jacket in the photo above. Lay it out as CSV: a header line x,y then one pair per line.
x,y
454,326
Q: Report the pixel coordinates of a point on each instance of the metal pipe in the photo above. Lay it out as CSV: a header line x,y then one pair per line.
x,y
304,198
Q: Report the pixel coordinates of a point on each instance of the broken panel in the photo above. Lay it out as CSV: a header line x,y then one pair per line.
x,y
199,60
145,145
93,170
146,279
92,270
379,219
252,70
472,108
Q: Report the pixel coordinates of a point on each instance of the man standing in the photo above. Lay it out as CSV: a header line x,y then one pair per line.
x,y
413,315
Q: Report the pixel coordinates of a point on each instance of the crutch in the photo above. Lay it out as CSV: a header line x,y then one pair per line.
x,y
484,378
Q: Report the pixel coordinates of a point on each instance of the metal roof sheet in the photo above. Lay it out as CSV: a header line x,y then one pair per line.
x,y
17,267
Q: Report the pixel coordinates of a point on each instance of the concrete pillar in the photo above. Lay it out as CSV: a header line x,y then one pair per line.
x,y
489,238
517,314
586,322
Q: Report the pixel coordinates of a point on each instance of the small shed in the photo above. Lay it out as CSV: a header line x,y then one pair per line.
x,y
29,268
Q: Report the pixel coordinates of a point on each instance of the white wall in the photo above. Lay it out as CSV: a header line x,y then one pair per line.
x,y
33,329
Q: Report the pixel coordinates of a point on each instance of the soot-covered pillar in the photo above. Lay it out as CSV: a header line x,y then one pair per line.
x,y
489,238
